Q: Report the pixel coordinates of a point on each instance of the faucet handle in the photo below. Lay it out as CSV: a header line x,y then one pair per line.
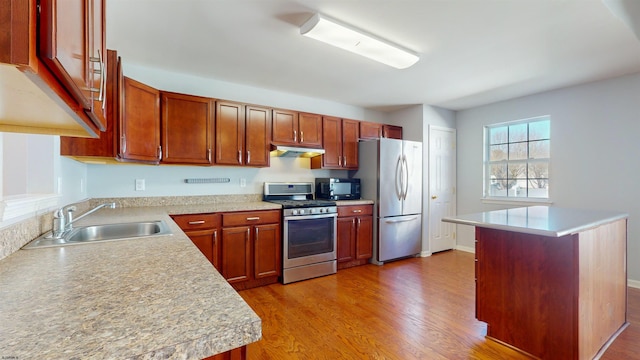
x,y
69,210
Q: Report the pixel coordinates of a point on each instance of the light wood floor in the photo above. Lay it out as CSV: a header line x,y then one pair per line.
x,y
422,308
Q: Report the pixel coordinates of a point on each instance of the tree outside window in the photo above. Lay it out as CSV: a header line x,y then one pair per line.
x,y
517,159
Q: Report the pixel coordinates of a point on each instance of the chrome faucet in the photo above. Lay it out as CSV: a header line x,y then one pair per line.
x,y
63,218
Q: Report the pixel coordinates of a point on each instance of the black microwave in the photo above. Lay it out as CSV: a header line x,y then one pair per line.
x,y
337,189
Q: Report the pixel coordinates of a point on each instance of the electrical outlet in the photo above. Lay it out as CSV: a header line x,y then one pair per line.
x,y
243,182
140,184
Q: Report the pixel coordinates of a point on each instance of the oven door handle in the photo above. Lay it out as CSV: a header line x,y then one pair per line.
x,y
307,217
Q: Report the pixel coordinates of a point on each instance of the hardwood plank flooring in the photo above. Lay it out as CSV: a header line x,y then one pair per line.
x,y
420,308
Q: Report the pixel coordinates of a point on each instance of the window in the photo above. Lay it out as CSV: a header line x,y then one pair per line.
x,y
517,158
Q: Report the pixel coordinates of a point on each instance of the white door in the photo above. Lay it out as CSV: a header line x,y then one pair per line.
x,y
442,187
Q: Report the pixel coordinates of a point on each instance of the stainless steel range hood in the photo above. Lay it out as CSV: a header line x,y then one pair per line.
x,y
292,151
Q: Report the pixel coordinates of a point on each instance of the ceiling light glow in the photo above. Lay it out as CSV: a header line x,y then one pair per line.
x,y
343,36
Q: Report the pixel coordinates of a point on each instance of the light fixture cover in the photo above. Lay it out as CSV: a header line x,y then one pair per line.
x,y
332,32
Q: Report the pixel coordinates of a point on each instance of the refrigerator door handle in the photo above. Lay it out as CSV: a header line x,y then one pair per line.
x,y
406,175
398,182
401,220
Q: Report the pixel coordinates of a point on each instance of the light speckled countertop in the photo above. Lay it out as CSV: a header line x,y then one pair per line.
x,y
539,220
148,298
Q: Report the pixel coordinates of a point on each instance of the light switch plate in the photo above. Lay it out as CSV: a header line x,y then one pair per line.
x,y
140,184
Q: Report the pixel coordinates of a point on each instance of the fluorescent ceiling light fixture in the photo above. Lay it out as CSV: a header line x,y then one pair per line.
x,y
332,32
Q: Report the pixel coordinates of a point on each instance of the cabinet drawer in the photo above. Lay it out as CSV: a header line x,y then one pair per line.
x,y
197,221
355,210
251,218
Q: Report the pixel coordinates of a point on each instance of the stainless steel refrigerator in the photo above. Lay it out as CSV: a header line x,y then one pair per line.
x,y
390,173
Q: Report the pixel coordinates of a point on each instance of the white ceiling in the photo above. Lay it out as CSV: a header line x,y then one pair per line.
x,y
473,52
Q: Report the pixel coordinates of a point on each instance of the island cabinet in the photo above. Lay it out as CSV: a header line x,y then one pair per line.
x,y
235,354
187,129
251,248
355,235
296,129
340,143
204,232
242,134
551,282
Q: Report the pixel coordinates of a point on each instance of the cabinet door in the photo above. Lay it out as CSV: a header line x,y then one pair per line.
x,y
236,254
140,122
370,130
364,241
284,130
350,134
257,133
207,242
187,129
229,133
346,238
310,130
392,131
332,140
267,258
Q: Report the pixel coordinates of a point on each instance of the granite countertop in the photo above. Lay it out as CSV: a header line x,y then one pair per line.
x,y
145,298
539,220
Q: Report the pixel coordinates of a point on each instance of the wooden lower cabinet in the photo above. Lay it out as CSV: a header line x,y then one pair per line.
x,y
355,235
251,248
203,230
235,354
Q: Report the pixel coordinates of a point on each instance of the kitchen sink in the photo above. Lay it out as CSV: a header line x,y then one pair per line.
x,y
100,233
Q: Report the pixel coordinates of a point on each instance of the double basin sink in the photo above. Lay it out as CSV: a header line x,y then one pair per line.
x,y
99,233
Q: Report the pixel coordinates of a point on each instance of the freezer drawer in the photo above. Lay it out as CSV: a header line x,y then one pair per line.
x,y
399,236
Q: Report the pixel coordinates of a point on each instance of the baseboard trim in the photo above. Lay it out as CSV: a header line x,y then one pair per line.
x,y
466,249
633,283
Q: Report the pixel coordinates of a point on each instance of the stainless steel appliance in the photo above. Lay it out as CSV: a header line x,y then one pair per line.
x,y
308,231
338,188
391,174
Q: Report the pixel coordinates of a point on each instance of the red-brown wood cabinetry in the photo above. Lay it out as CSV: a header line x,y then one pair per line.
x,y
355,235
296,129
139,122
251,248
187,129
392,131
204,232
242,134
370,130
340,142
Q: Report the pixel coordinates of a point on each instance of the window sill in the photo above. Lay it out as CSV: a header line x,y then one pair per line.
x,y
16,206
516,201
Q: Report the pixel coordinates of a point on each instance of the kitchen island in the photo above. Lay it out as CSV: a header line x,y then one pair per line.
x,y
551,282
148,298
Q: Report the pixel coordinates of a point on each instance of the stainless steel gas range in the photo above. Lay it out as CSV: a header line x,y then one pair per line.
x,y
308,231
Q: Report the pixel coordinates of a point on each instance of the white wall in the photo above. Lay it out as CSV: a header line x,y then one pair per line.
x,y
594,151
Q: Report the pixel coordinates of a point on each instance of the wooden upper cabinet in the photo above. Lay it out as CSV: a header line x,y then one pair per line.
x,y
257,136
229,133
242,134
139,122
187,129
392,131
310,130
340,143
296,129
72,47
370,130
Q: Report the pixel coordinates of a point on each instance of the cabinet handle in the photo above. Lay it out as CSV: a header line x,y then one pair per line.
x,y
123,146
256,235
340,161
295,136
357,211
358,223
344,163
215,237
239,156
255,218
99,90
248,156
159,152
199,222
209,155
301,136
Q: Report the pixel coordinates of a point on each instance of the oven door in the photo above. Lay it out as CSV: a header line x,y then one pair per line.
x,y
309,239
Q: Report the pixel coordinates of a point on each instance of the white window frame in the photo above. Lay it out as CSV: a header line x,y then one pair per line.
x,y
486,182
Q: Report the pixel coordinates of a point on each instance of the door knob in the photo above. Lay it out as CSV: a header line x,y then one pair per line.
x,y
433,197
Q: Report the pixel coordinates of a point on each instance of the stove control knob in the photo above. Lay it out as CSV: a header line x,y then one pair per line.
x,y
322,210
294,212
301,211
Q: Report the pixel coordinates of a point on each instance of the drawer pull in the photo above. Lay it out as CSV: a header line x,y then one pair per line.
x,y
253,218
199,222
357,211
